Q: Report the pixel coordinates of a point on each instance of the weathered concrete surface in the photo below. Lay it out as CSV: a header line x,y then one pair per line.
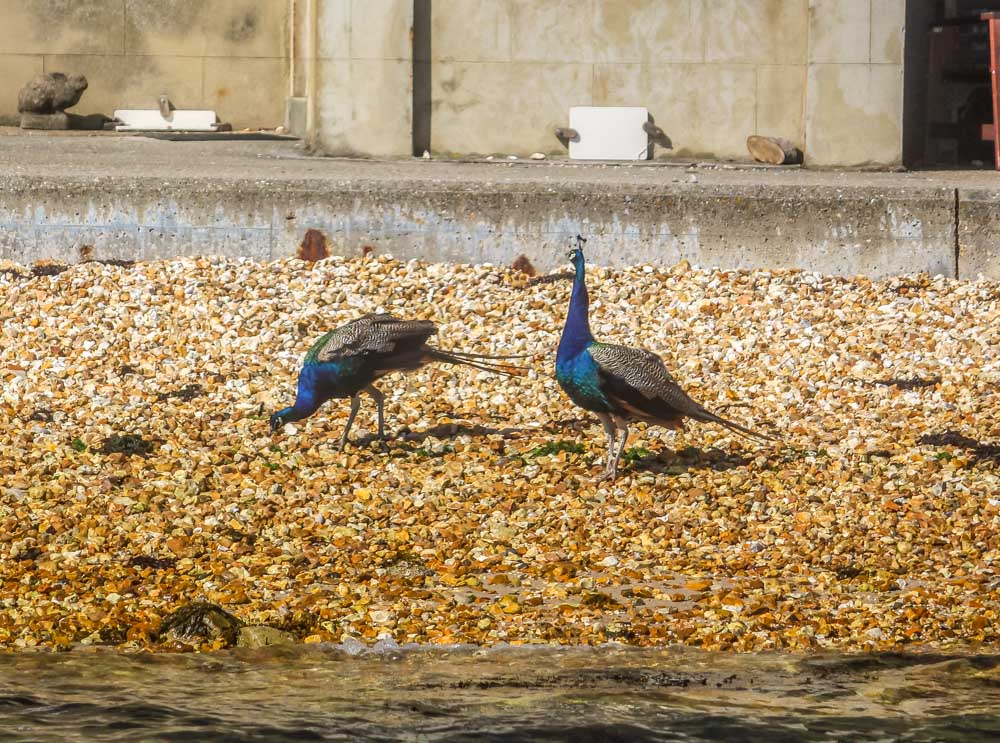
x,y
862,231
358,67
138,198
979,232
496,76
230,55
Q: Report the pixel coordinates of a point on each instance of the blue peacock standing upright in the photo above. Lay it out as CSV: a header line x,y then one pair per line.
x,y
618,383
347,361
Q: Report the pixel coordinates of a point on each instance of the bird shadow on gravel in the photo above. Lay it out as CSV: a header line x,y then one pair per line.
x,y
982,453
441,431
677,462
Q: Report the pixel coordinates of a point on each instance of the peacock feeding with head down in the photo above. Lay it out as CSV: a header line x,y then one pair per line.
x,y
348,360
618,383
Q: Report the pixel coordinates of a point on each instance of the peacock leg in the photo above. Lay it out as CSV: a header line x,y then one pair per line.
x,y
355,404
621,447
379,399
611,431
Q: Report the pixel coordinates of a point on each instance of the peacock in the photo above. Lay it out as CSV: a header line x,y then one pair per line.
x,y
348,360
618,383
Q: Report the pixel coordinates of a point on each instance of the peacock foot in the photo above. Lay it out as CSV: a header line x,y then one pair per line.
x,y
609,474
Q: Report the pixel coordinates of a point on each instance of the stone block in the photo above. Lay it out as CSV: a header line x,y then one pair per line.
x,y
381,29
698,124
365,107
979,234
296,113
51,122
17,242
134,82
647,31
553,31
246,28
165,28
222,28
470,31
888,26
246,92
61,27
68,242
781,91
854,114
231,241
333,18
508,108
839,31
755,31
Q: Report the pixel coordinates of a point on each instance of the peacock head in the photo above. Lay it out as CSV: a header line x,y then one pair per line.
x,y
280,418
576,254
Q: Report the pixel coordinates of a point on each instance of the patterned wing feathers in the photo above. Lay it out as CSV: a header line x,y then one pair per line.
x,y
370,334
644,372
637,381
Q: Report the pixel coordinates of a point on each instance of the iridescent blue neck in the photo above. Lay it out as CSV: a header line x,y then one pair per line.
x,y
576,334
305,398
301,409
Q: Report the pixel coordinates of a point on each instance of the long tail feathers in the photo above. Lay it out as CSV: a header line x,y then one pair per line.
x,y
464,355
477,361
736,427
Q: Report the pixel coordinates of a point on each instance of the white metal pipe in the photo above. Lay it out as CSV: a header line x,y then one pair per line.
x,y
292,51
312,84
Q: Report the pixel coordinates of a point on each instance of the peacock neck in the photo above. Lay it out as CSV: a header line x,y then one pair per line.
x,y
306,398
301,409
576,335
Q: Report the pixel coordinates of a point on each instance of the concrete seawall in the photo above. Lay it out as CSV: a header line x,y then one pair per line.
x,y
246,205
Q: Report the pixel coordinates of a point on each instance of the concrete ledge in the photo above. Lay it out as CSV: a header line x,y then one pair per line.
x,y
979,233
841,230
129,197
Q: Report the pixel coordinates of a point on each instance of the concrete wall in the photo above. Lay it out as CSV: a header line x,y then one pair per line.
x,y
228,55
353,72
854,96
500,74
710,71
825,73
843,229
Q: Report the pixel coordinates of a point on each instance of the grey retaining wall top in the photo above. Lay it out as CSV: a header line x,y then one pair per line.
x,y
146,199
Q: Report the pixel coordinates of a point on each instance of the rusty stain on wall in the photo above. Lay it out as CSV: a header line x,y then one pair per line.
x,y
313,247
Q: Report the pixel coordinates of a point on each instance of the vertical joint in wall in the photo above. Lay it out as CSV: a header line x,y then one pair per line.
x,y
421,54
958,240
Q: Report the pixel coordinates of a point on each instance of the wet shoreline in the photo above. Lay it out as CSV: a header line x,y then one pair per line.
x,y
333,692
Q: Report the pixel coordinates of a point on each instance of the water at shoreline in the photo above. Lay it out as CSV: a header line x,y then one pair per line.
x,y
335,693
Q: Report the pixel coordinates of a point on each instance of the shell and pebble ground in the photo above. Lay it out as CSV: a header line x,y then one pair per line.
x,y
138,473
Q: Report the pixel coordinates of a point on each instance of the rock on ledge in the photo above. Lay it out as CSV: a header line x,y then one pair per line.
x,y
42,102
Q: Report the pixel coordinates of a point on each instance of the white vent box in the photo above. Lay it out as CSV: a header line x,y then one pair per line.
x,y
151,120
609,133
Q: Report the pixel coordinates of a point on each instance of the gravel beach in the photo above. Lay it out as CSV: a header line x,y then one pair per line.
x,y
138,472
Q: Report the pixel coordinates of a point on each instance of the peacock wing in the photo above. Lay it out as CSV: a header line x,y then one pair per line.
x,y
374,333
638,382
